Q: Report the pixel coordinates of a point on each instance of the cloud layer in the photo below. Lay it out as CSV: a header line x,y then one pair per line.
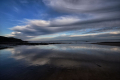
x,y
104,16
96,8
42,27
83,5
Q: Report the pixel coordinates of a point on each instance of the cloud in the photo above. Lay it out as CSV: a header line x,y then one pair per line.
x,y
39,22
98,36
105,36
97,8
82,5
64,20
41,27
61,24
101,16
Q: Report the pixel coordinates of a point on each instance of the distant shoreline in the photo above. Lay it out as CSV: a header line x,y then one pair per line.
x,y
108,43
5,45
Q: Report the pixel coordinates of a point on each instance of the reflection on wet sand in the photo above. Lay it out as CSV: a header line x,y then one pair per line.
x,y
66,62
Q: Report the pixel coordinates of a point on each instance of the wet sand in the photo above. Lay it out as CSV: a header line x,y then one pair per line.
x,y
60,62
53,73
84,74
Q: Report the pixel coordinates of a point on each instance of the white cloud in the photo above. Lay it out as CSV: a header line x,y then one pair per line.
x,y
115,32
16,33
30,36
39,22
65,20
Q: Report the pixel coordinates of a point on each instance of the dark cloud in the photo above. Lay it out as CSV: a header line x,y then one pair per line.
x,y
92,6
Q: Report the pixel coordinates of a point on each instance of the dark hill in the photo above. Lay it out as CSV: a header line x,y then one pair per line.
x,y
15,41
10,40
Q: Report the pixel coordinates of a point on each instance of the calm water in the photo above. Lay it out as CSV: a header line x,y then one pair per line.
x,y
60,62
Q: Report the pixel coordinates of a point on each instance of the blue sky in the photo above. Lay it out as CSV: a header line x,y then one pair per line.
x,y
36,20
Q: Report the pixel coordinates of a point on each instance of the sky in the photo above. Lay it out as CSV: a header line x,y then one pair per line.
x,y
44,20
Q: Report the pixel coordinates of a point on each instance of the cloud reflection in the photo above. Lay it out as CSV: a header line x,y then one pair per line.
x,y
67,56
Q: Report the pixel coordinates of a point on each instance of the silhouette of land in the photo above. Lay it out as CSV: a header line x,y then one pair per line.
x,y
15,41
108,43
6,42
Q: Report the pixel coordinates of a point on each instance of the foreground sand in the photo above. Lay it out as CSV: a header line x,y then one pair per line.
x,y
84,74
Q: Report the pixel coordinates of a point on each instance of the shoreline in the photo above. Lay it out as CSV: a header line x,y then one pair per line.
x,y
8,45
108,43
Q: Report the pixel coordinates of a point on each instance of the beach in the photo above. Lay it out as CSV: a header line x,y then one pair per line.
x,y
60,62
